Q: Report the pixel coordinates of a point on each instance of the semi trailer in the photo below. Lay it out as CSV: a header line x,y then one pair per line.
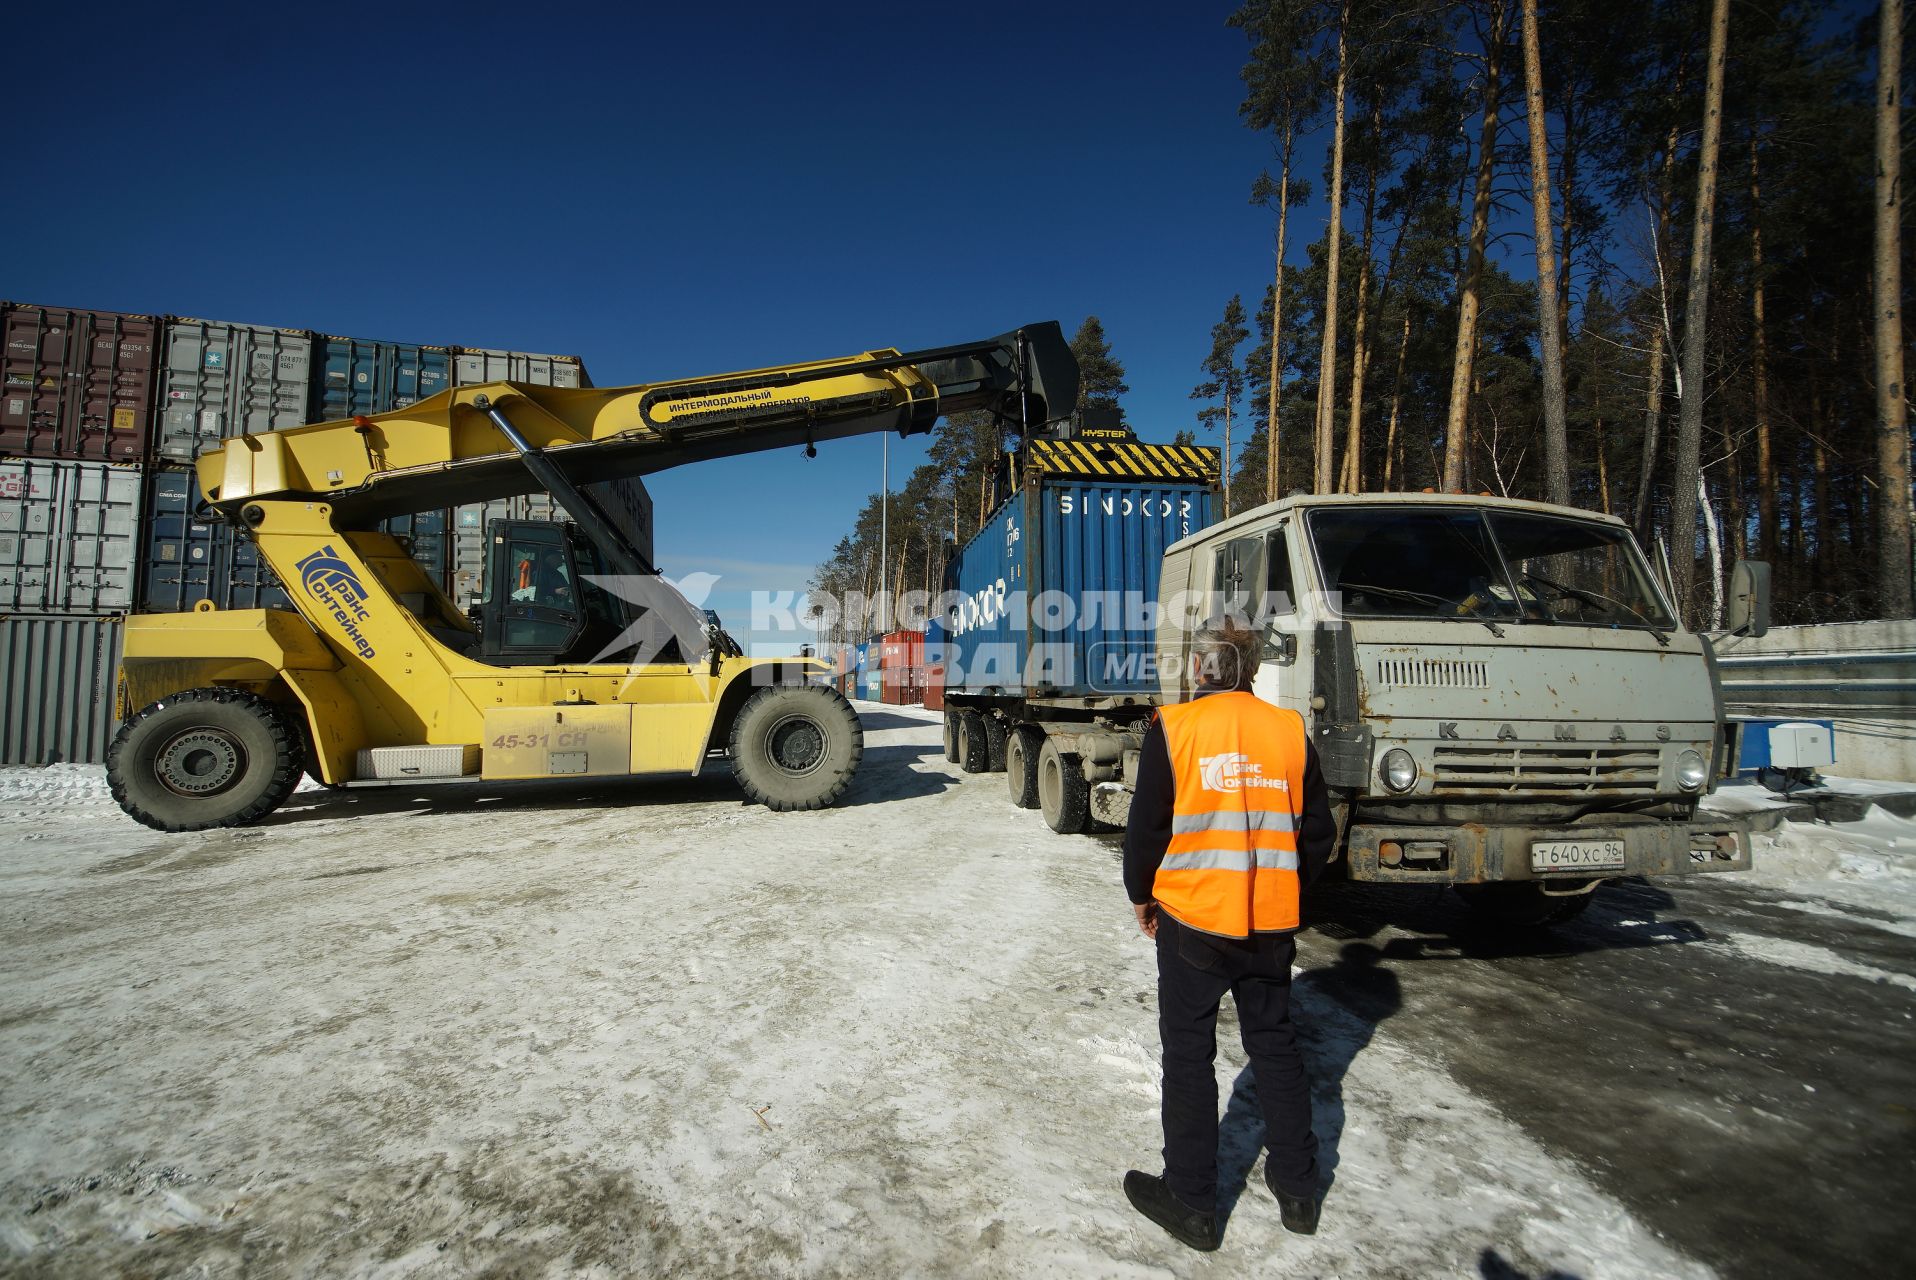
x,y
1501,693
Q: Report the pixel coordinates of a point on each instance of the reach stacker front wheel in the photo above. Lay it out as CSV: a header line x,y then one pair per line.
x,y
205,758
796,746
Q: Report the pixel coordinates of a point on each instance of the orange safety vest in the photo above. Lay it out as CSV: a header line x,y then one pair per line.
x,y
1231,866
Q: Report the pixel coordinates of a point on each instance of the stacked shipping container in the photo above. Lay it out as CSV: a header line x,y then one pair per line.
x,y
901,667
76,424
101,417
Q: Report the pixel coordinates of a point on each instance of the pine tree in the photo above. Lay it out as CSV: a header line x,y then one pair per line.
x,y
1100,376
1892,406
1556,436
1224,380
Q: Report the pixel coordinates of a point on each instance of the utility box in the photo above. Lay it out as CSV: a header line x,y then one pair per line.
x,y
418,762
1783,744
1801,744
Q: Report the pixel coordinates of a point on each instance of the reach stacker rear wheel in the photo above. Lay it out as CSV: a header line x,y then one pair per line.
x,y
205,758
796,746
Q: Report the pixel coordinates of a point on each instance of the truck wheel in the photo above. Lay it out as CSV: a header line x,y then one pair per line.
x,y
1022,746
1522,904
974,743
951,736
1063,797
796,746
994,745
205,758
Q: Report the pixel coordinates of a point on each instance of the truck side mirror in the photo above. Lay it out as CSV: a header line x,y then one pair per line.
x,y
1749,606
1280,647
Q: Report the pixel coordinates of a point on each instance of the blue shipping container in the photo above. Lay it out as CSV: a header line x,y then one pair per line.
x,y
187,562
1054,595
362,377
427,534
372,377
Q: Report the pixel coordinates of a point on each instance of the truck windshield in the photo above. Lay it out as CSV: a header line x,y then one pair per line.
x,y
1501,566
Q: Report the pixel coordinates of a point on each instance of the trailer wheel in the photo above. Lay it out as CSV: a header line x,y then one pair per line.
x,y
994,745
974,743
796,746
1063,797
205,758
951,736
1022,746
1522,904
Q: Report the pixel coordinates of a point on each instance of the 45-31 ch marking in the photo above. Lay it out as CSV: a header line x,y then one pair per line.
x,y
574,740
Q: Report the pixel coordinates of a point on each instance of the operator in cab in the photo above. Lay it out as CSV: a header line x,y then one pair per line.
x,y
1230,820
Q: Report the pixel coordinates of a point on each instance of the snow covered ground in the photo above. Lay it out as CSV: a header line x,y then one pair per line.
x,y
649,1029
1863,870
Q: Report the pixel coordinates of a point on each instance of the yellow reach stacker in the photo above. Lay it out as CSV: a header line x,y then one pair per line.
x,y
579,661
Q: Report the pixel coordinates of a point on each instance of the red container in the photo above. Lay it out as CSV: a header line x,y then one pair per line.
x,y
935,687
902,650
77,384
903,688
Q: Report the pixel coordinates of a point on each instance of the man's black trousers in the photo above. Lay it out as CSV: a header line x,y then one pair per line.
x,y
1195,969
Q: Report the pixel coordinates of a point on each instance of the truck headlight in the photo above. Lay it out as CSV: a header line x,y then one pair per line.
x,y
1398,769
1691,771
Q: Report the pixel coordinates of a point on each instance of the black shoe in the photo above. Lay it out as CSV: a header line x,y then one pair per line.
x,y
1150,1197
1299,1212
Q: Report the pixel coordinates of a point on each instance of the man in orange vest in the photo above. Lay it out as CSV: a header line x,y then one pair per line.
x,y
1230,819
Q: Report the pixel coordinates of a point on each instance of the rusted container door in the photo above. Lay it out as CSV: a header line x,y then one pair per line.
x,y
77,384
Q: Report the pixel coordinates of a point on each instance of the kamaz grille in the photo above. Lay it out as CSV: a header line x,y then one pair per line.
x,y
1549,770
1433,673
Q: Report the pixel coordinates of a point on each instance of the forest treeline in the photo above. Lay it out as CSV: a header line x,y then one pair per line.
x,y
1706,341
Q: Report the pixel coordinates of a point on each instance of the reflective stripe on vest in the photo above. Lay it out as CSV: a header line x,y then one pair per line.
x,y
1231,865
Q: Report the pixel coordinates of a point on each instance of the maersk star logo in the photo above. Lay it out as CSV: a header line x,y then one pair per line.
x,y
666,609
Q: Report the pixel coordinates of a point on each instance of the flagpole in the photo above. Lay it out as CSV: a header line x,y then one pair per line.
x,y
884,520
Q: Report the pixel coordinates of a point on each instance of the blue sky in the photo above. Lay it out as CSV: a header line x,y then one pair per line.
x,y
663,190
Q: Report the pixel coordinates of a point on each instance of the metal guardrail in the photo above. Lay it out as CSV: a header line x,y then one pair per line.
x,y
1822,683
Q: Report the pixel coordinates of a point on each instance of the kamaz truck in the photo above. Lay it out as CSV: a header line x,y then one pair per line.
x,y
1501,694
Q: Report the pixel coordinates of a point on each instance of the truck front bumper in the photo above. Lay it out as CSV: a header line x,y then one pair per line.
x,y
1472,853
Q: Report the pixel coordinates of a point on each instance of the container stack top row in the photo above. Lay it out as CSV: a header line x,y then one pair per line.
x,y
107,386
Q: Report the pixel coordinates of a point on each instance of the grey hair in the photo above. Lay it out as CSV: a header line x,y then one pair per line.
x,y
1224,655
